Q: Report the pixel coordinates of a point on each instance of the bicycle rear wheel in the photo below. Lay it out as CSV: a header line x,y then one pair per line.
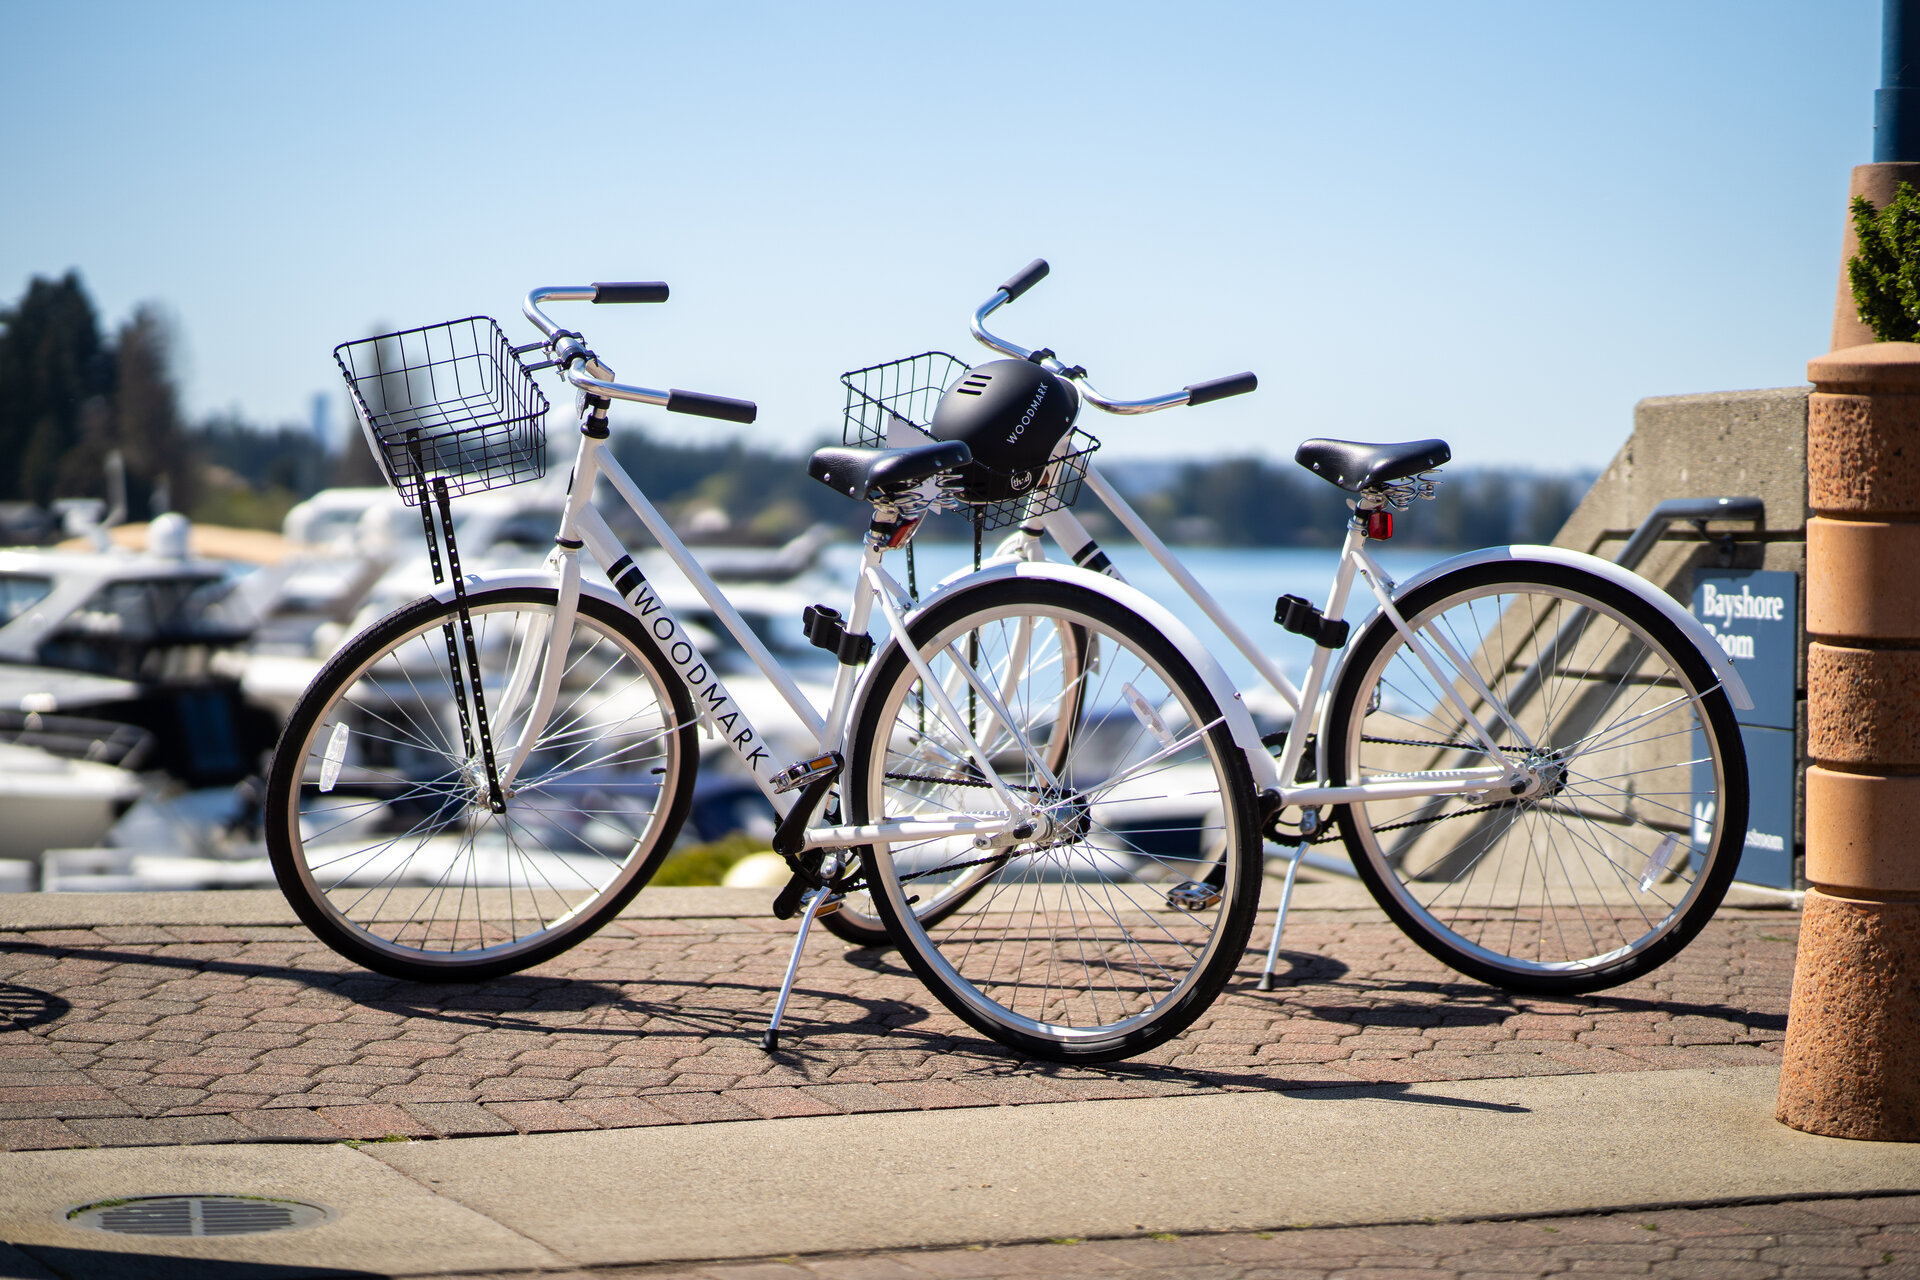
x,y
378,817
1609,869
1117,924
1034,654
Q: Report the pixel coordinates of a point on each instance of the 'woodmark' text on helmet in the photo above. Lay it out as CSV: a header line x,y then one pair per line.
x,y
1010,413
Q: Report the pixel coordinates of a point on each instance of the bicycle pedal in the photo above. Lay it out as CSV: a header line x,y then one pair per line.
x,y
801,772
830,905
1193,895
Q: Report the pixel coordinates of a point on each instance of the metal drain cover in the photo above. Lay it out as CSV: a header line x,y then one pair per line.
x,y
196,1215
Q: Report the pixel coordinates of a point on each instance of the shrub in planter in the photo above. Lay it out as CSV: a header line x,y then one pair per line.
x,y
1885,274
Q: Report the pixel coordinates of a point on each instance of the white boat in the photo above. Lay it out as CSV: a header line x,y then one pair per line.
x,y
49,802
152,639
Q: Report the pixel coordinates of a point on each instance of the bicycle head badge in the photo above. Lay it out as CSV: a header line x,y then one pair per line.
x,y
1011,413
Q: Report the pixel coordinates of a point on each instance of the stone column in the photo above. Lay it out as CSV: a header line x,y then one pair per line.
x,y
1851,1068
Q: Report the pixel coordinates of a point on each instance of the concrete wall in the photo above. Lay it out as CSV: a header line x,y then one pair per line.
x,y
1722,444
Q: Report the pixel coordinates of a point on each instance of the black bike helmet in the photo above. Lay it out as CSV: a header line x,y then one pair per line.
x,y
1010,413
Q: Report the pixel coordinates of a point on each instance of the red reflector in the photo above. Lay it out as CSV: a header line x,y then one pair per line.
x,y
1380,524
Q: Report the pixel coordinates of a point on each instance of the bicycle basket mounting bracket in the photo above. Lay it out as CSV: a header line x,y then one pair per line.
x,y
473,716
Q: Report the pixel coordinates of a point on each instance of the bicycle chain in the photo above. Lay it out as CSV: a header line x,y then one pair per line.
x,y
1443,746
1027,787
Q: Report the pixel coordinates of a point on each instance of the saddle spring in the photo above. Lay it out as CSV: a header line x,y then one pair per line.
x,y
1398,495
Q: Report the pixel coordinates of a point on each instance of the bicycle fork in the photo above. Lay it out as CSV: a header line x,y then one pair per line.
x,y
547,654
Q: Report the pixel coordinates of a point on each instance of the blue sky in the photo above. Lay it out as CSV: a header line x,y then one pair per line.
x,y
1502,223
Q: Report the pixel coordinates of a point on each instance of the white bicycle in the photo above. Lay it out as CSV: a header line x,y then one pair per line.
x,y
1529,753
487,775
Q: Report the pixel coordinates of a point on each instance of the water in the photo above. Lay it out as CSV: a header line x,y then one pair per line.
x,y
1245,580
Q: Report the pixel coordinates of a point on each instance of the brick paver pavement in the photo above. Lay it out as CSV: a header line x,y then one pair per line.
x,y
141,1035
1840,1239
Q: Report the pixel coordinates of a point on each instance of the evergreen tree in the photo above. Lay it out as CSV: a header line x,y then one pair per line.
x,y
161,473
1885,273
55,377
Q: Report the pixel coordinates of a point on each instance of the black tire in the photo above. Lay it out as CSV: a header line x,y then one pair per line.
x,y
592,815
857,921
1605,871
1152,794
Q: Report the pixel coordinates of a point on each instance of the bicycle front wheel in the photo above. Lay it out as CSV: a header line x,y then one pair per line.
x,y
1626,848
379,820
1115,923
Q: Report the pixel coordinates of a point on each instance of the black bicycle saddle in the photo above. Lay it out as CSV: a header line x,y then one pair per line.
x,y
1354,466
861,473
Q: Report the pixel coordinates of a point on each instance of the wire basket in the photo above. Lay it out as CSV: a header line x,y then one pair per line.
x,y
447,401
890,406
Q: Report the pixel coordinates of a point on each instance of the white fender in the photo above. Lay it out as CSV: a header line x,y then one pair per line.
x,y
477,582
1689,625
1238,721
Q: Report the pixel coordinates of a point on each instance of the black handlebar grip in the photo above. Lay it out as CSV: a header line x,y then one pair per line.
x,y
706,406
638,291
1220,388
1027,277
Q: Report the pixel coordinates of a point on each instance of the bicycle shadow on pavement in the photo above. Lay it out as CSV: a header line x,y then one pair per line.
x,y
24,1007
512,1002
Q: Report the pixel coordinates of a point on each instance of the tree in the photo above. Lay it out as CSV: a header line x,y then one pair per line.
x,y
1885,273
55,377
146,417
68,398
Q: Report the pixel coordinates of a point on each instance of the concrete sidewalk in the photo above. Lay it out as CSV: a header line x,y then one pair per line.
x,y
638,1125
1179,1166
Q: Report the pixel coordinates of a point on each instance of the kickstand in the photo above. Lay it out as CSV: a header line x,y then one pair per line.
x,y
770,1038
1280,919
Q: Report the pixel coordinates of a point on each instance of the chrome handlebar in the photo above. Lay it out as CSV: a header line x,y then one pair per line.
x,y
572,357
1053,364
569,353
